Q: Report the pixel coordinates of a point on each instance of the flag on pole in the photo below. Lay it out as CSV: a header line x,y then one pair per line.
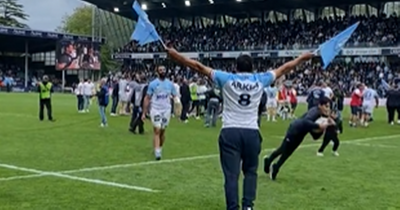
x,y
144,32
329,49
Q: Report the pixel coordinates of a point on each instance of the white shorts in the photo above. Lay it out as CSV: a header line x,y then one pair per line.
x,y
272,103
160,119
368,108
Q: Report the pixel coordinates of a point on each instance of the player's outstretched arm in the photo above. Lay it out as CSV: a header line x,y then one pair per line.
x,y
288,66
193,64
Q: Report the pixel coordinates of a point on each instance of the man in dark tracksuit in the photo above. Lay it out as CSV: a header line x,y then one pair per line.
x,y
137,100
339,99
213,101
262,107
393,103
185,99
295,135
115,97
45,90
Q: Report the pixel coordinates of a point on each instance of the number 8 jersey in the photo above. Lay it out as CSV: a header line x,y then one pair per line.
x,y
241,93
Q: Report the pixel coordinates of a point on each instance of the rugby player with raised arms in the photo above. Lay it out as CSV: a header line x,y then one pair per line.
x,y
239,139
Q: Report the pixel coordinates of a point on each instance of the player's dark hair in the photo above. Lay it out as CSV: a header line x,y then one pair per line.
x,y
244,63
324,101
273,84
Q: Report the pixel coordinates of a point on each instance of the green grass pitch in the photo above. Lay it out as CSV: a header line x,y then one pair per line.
x,y
73,164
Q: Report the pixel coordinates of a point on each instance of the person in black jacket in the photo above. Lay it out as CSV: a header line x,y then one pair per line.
x,y
393,104
185,99
338,98
115,97
262,107
137,99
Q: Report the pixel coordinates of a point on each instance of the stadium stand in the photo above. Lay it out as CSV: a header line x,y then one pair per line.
x,y
28,54
217,32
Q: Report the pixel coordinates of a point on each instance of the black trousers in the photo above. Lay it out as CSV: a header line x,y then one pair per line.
x,y
185,109
195,105
285,150
42,104
115,100
239,145
80,102
330,135
391,112
8,88
136,120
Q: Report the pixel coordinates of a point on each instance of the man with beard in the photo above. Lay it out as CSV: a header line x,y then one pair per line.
x,y
159,93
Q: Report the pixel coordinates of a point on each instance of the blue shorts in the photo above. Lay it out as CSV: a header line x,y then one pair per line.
x,y
355,110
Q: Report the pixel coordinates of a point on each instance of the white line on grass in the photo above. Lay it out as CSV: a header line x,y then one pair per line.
x,y
21,177
374,145
207,156
102,168
65,176
10,114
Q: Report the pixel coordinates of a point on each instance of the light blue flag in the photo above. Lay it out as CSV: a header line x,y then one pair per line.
x,y
144,32
329,49
139,11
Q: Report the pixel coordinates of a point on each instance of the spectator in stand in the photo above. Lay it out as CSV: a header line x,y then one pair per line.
x,y
379,30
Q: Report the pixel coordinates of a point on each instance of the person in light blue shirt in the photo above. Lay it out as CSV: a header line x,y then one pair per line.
x,y
272,103
239,139
159,94
370,101
8,82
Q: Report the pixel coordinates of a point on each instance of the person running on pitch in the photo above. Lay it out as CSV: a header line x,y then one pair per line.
x,y
296,133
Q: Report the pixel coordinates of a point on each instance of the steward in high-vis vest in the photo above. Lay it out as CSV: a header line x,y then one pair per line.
x,y
45,89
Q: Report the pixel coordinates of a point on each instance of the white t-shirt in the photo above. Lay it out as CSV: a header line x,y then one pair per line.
x,y
177,89
201,90
79,89
327,92
88,88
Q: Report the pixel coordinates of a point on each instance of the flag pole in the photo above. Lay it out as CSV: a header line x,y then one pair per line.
x,y
163,43
316,51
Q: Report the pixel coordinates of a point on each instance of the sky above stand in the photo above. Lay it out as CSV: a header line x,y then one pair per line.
x,y
47,15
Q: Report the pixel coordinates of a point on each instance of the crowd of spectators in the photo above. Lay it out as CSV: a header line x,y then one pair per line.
x,y
372,31
13,75
343,73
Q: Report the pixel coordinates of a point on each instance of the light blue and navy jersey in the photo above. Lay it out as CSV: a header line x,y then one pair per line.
x,y
160,93
369,96
314,95
242,94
